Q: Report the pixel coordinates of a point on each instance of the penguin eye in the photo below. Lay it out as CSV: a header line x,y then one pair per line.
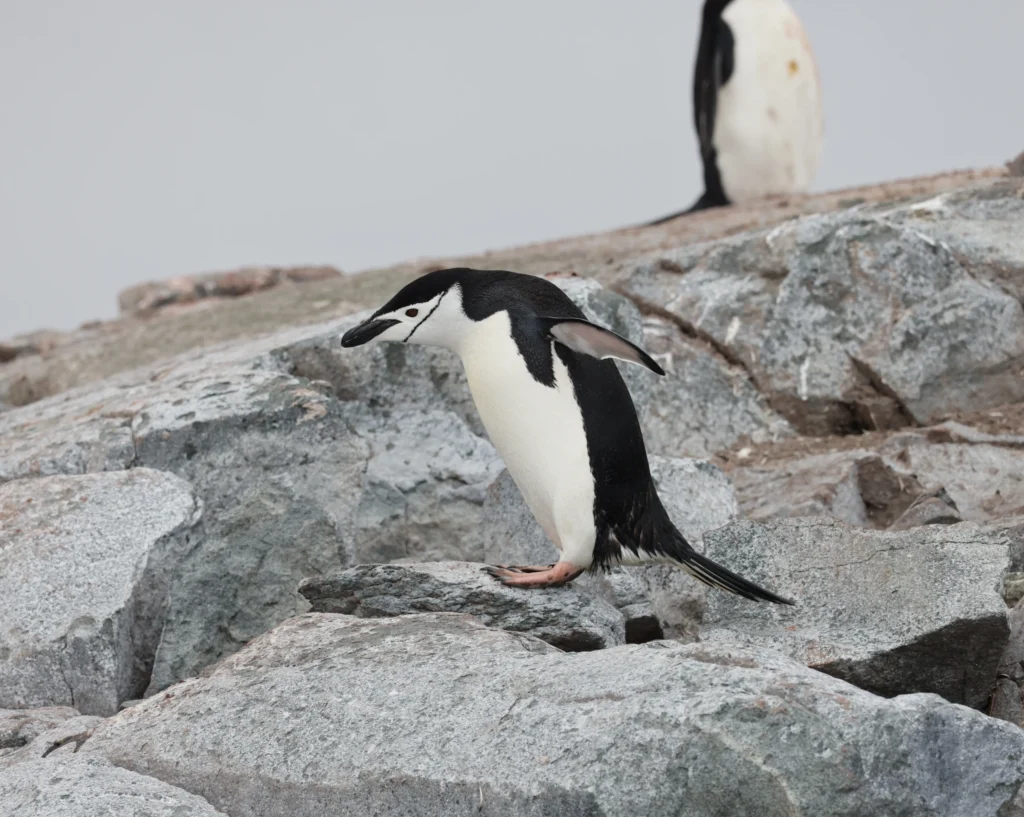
x,y
412,313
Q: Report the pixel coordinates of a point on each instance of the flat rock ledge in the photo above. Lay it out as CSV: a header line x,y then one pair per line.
x,y
436,714
79,787
568,617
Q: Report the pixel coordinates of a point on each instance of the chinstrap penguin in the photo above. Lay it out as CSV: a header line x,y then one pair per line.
x,y
558,412
756,103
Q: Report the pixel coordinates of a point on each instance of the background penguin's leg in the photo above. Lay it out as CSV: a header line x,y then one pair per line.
x,y
705,202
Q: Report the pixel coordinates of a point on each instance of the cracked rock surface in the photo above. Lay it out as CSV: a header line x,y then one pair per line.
x,y
567,617
871,318
90,788
436,715
85,566
916,611
20,726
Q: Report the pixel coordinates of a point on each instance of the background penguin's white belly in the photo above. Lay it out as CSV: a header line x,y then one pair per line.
x,y
768,122
538,430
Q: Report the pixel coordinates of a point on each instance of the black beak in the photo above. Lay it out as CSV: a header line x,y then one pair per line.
x,y
366,331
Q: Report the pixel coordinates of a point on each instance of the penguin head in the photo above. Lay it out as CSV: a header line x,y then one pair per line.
x,y
427,311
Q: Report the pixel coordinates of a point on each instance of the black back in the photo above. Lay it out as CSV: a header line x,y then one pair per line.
x,y
714,67
627,510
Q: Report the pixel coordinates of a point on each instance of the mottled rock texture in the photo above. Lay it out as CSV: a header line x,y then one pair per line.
x,y
915,611
438,715
85,569
568,617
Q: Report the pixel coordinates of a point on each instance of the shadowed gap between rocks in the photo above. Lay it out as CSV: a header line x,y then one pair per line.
x,y
915,665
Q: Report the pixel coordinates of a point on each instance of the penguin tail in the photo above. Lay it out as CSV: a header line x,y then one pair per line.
x,y
714,575
648,534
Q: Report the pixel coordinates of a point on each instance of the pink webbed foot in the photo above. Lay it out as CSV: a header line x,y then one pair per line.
x,y
531,576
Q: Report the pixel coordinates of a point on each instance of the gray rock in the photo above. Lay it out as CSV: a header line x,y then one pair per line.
x,y
985,482
439,715
19,726
76,433
655,599
817,485
91,788
916,611
295,480
975,482
1013,588
704,404
61,739
1007,703
928,510
84,575
1012,528
424,486
306,457
567,617
872,318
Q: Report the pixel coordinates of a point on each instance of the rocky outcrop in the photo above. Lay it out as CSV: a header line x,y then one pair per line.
x,y
918,611
568,617
188,289
851,364
1007,702
85,568
18,727
306,462
437,714
83,788
974,476
704,404
873,318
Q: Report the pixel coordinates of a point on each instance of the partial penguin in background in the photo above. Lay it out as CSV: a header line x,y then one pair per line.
x,y
756,103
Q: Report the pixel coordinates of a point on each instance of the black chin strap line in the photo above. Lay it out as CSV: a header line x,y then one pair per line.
x,y
431,312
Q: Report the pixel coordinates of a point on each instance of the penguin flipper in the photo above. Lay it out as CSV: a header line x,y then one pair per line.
x,y
590,339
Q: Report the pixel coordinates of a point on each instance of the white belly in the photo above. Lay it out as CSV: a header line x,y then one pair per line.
x,y
768,123
538,430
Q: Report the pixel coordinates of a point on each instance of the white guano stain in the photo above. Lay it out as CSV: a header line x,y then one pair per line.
x,y
804,369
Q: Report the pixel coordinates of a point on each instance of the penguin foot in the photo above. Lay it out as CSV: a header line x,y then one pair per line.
x,y
531,576
519,568
78,740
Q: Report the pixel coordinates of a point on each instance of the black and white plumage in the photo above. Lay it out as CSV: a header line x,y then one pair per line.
x,y
558,412
756,103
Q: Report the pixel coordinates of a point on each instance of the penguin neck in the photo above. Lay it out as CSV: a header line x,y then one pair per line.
x,y
484,345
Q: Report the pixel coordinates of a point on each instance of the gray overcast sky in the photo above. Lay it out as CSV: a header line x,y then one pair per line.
x,y
141,140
